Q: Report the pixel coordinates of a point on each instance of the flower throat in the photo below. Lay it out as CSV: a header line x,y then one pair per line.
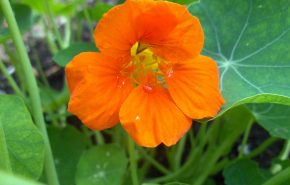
x,y
145,66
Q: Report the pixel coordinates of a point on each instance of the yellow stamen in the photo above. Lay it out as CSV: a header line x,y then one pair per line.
x,y
144,62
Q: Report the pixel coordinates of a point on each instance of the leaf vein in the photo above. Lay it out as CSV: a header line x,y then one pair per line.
x,y
243,30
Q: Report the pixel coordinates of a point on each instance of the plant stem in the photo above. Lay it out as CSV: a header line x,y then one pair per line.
x,y
245,139
13,59
280,178
39,67
190,161
89,21
5,159
191,137
10,80
156,164
53,23
133,161
50,41
179,152
282,156
32,89
285,152
211,161
100,138
262,147
67,34
220,166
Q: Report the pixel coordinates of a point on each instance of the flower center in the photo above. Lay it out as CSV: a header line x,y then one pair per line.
x,y
144,67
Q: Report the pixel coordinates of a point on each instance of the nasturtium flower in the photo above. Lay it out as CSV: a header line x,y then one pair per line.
x,y
149,74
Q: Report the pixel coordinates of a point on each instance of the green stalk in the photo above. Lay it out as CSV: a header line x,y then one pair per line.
x,y
32,89
100,138
53,23
202,137
282,156
13,59
89,20
50,40
39,68
191,138
211,161
245,139
280,178
220,166
10,80
262,147
67,35
156,164
133,161
5,159
179,152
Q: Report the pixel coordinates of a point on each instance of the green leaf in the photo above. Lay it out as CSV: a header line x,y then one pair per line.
x,y
67,145
65,56
36,5
250,41
209,181
183,1
102,165
9,179
23,17
24,142
170,183
96,12
58,8
244,172
52,99
234,122
274,118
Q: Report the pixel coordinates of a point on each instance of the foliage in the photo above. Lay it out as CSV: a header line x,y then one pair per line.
x,y
248,39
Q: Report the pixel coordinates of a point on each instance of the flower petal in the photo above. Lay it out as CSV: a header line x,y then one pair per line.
x,y
97,89
163,26
194,87
185,41
151,117
77,68
114,34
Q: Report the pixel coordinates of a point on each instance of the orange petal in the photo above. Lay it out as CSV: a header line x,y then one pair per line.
x,y
162,26
77,68
114,34
97,90
186,39
194,87
151,117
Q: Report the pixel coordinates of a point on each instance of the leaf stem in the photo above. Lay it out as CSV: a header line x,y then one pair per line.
x,y
202,137
10,80
99,137
212,159
262,147
282,156
133,161
89,21
245,139
32,89
156,164
179,152
39,67
53,23
280,178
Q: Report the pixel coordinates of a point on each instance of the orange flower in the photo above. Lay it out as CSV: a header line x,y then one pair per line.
x,y
149,74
